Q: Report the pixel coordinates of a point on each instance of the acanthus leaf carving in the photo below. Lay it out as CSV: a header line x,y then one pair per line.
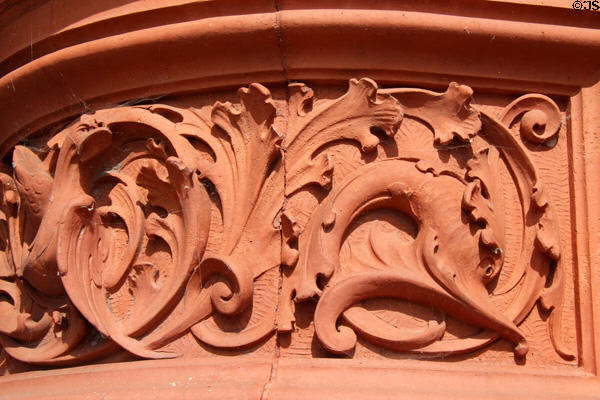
x,y
352,116
477,200
88,248
248,178
448,114
137,226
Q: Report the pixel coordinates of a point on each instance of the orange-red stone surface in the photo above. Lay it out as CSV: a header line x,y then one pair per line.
x,y
229,199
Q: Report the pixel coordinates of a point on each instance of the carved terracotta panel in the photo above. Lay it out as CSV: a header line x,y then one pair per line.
x,y
410,219
299,199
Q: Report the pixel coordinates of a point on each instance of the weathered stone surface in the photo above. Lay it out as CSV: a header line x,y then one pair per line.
x,y
255,208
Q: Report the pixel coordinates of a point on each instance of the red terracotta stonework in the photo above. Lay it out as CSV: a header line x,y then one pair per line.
x,y
260,200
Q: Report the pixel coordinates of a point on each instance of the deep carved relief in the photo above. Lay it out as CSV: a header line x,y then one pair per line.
x,y
135,226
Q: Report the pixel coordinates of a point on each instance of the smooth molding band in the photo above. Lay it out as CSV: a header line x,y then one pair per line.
x,y
296,41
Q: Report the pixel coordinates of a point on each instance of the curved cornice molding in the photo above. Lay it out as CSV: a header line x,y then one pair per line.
x,y
128,53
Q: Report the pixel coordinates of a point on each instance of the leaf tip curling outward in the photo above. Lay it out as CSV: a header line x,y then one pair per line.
x,y
257,98
448,114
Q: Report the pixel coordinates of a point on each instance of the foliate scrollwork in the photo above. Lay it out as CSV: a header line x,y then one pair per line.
x,y
123,205
455,256
135,226
539,118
